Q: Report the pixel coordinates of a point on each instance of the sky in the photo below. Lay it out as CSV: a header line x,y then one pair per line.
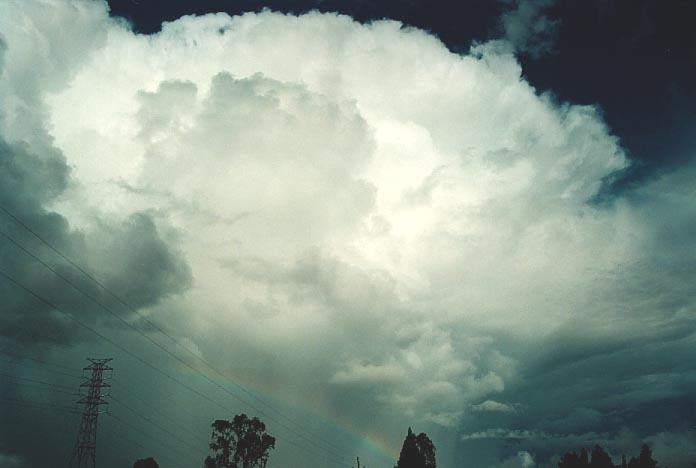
x,y
476,219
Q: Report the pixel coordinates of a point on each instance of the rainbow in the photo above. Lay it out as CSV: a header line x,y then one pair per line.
x,y
375,444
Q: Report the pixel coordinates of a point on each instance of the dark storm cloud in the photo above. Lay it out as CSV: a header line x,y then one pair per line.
x,y
528,28
576,390
621,372
129,256
3,48
26,182
139,263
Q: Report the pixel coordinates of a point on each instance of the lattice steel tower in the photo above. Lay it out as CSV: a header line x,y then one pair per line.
x,y
92,393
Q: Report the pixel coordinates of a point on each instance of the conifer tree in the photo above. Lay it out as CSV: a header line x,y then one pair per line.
x,y
600,458
417,452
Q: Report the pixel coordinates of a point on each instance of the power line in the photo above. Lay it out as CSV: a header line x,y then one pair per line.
x,y
22,402
52,407
12,359
161,347
63,389
40,361
157,327
36,387
57,388
300,427
142,447
165,431
142,432
164,415
50,384
153,423
143,361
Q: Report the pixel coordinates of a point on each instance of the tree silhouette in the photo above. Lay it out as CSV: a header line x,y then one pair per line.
x,y
146,463
644,460
600,458
569,460
240,443
573,460
417,452
359,465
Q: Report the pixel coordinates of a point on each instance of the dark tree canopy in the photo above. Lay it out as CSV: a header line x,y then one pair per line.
x,y
569,460
146,463
644,460
601,459
240,443
417,452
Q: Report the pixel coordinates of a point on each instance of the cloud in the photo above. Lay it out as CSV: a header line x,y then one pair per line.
x,y
132,257
11,461
528,28
369,374
387,231
673,449
522,459
670,448
129,252
494,406
500,433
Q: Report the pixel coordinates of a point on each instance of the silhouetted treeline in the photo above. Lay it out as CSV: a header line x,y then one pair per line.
x,y
243,443
601,459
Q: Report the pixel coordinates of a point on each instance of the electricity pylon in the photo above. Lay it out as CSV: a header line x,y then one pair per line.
x,y
92,393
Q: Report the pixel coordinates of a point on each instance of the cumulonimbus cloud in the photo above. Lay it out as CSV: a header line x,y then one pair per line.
x,y
390,221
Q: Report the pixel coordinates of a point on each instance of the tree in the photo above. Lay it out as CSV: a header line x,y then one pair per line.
x,y
644,460
569,460
600,458
417,452
146,463
427,450
240,443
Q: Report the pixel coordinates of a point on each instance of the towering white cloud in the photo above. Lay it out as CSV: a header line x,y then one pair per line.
x,y
369,219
